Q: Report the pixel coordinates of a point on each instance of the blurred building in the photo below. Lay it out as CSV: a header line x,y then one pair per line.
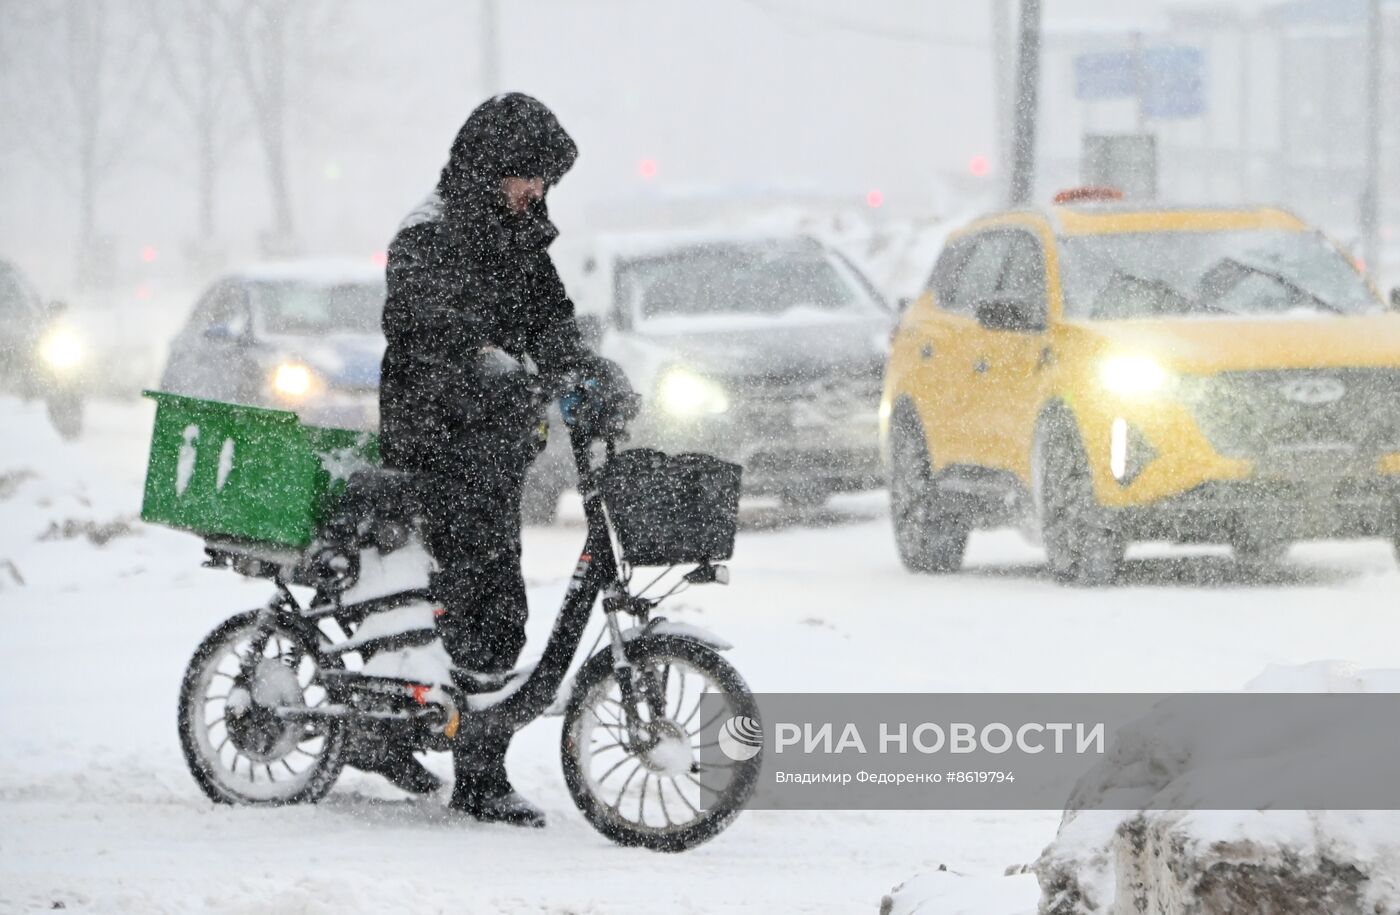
x,y
1283,107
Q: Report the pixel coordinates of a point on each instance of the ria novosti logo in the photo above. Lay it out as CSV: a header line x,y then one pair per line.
x,y
741,738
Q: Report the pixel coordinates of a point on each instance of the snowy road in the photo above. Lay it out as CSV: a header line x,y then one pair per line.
x,y
97,812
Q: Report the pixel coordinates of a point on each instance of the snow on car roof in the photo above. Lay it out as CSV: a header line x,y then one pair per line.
x,y
646,244
316,271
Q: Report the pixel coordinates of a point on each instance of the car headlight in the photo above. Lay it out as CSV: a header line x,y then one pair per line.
x,y
1131,376
685,395
61,349
293,380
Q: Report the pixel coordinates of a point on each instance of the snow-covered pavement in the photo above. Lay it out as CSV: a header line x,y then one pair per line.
x,y
97,812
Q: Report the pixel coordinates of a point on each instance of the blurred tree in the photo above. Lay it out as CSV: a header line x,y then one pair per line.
x,y
200,75
78,75
278,48
258,35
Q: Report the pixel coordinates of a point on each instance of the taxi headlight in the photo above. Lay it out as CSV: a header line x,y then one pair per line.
x,y
684,394
1131,376
293,380
61,349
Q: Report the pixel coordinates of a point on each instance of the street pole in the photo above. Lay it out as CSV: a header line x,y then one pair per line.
x,y
1246,150
1027,86
1371,196
1001,83
490,48
1139,82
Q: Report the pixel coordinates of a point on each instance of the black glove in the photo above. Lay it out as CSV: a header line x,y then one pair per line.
x,y
500,392
602,401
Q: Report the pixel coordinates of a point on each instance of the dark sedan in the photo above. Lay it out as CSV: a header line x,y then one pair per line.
x,y
299,336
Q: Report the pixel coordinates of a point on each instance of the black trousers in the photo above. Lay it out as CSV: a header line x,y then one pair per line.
x,y
473,529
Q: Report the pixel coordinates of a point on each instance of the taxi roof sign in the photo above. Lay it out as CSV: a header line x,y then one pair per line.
x,y
1093,193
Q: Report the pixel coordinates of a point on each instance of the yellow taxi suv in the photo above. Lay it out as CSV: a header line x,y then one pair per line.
x,y
1099,373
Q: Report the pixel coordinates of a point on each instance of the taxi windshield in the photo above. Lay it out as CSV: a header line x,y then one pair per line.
x,y
1257,272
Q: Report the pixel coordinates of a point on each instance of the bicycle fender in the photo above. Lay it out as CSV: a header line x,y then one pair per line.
x,y
679,630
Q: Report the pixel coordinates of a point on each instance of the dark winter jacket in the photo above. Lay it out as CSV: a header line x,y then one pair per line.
x,y
465,274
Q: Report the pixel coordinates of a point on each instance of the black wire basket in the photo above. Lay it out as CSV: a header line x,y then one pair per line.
x,y
672,509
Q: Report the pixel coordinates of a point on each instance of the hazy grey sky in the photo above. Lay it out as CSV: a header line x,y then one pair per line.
x,y
831,96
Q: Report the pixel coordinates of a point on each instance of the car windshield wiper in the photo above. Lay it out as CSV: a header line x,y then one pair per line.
x,y
1168,291
1282,280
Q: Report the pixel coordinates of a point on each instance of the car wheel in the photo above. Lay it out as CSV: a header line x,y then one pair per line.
x,y
66,414
1081,544
1259,553
803,497
929,537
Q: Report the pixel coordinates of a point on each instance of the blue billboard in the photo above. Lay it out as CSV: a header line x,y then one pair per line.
x,y
1172,79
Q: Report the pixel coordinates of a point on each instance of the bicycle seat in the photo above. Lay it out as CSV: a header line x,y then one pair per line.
x,y
384,504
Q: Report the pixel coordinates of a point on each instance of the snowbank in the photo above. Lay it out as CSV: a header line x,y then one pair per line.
x,y
945,892
1203,861
48,492
1188,860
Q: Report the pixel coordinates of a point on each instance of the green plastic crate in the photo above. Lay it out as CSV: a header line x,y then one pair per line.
x,y
248,473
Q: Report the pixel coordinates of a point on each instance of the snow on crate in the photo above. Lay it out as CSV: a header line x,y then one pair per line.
x,y
184,463
1182,859
341,463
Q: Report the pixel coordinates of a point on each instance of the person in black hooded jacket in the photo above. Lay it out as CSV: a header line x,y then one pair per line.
x,y
472,293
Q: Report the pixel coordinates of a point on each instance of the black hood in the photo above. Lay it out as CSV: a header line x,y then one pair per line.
x,y
509,136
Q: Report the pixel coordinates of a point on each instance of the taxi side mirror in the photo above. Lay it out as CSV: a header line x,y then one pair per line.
x,y
1395,298
1016,315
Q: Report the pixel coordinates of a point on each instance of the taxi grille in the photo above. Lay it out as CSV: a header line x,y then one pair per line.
x,y
1331,417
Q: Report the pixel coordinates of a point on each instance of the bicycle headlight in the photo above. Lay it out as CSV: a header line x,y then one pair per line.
x,y
293,380
684,394
61,349
1132,376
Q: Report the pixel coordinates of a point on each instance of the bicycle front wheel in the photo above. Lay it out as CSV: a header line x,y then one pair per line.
x,y
648,784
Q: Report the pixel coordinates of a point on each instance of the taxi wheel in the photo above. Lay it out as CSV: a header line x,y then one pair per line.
x,y
798,498
1258,554
929,538
1080,542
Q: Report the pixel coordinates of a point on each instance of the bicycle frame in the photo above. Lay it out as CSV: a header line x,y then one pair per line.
x,y
595,573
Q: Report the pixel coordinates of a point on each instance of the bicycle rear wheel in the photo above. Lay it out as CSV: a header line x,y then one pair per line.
x,y
239,747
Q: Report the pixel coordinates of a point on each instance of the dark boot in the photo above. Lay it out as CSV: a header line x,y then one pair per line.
x,y
370,751
482,790
510,808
